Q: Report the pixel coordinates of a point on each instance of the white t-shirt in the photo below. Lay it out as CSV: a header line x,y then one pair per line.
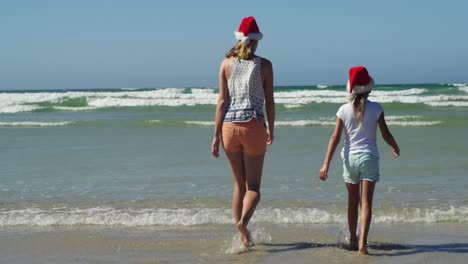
x,y
359,139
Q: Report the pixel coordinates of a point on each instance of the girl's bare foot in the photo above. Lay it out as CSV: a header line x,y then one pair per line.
x,y
363,249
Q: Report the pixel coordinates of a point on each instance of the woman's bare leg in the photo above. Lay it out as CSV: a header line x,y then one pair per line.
x,y
253,176
236,161
366,213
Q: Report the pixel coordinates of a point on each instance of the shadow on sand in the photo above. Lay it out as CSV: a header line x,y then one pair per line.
x,y
410,249
376,248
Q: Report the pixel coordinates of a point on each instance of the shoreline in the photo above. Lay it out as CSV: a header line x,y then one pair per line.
x,y
275,243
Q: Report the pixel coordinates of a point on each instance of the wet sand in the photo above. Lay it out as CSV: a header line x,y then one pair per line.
x,y
389,243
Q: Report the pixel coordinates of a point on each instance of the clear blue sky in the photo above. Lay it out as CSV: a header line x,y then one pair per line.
x,y
174,43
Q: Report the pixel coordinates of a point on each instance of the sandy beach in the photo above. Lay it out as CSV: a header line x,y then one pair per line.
x,y
391,243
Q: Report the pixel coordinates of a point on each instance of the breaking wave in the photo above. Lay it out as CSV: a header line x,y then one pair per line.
x,y
16,102
107,216
405,121
35,124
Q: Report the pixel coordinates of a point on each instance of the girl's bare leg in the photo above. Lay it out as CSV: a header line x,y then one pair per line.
x,y
353,207
366,213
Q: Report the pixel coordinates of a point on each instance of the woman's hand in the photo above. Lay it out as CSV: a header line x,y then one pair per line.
x,y
215,147
269,137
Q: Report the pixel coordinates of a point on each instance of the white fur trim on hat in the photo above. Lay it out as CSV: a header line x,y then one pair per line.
x,y
360,89
246,39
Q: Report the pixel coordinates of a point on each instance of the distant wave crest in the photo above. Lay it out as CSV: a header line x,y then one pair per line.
x,y
87,100
16,102
35,124
405,121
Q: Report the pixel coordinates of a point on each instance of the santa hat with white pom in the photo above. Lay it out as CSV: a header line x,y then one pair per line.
x,y
248,30
359,81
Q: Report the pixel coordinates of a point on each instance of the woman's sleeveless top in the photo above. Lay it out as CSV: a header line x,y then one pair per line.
x,y
246,95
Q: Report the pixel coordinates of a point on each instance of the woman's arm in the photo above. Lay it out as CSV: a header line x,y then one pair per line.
x,y
387,136
220,108
332,144
267,74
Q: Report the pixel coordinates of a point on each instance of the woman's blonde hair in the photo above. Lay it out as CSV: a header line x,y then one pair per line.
x,y
359,105
242,50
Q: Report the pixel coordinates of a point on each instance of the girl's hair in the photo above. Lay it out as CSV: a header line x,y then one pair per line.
x,y
359,104
242,50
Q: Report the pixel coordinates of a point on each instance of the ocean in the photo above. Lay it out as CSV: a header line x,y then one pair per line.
x,y
126,176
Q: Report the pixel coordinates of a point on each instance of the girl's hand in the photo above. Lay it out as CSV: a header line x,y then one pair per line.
x,y
396,152
324,172
215,147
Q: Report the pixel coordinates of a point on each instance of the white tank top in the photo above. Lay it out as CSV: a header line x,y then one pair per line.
x,y
246,95
362,138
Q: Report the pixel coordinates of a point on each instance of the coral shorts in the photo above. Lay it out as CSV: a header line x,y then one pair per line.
x,y
247,137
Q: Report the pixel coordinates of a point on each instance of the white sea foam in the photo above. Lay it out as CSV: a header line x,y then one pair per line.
x,y
106,216
295,123
67,108
23,102
391,120
26,102
413,123
302,123
298,216
258,235
410,96
402,117
426,216
235,246
110,216
463,88
302,97
448,103
129,89
200,123
35,124
11,108
154,121
409,120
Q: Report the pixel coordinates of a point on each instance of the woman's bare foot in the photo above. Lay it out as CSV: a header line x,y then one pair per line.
x,y
249,239
244,234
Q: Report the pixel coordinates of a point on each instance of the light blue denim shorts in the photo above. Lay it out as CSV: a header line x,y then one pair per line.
x,y
361,166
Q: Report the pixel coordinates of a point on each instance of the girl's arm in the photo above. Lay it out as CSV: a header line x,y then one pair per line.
x,y
332,144
267,74
220,108
387,136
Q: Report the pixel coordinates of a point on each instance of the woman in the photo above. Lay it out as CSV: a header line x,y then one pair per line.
x,y
359,119
245,86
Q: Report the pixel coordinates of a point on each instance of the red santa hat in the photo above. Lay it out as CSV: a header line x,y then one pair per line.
x,y
248,30
359,80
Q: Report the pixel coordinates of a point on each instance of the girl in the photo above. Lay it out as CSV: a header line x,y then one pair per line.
x,y
359,119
